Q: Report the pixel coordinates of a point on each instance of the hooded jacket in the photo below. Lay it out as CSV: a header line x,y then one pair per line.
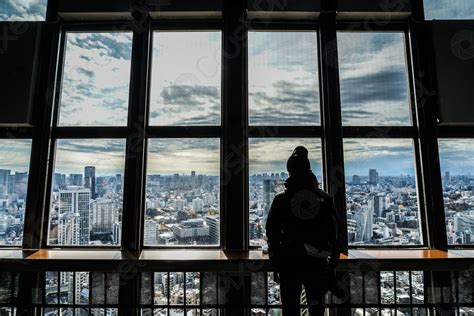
x,y
302,226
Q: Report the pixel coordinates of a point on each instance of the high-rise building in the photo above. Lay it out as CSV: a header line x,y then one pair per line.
x,y
373,176
447,178
118,182
364,220
89,180
103,215
270,189
117,233
68,229
4,175
213,224
355,180
21,184
377,204
75,180
150,234
77,201
197,205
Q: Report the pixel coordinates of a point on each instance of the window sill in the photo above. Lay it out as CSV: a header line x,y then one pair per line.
x,y
218,260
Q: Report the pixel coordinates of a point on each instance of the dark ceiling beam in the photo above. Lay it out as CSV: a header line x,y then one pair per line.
x,y
374,10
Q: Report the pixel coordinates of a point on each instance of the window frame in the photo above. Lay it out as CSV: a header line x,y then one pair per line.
x,y
58,132
182,131
387,132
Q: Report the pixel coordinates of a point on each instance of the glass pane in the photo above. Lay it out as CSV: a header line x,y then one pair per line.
x,y
267,175
182,202
373,78
86,203
381,192
186,78
457,168
96,79
449,9
14,168
283,78
23,10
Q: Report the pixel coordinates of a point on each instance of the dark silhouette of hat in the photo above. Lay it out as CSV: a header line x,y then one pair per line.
x,y
298,161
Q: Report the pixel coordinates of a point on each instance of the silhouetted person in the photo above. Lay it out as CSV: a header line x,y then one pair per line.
x,y
302,232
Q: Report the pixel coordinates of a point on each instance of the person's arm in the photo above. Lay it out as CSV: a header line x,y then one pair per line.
x,y
273,231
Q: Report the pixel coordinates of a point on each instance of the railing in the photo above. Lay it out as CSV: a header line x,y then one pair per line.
x,y
427,285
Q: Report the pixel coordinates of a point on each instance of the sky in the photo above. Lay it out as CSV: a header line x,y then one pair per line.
x,y
15,154
186,78
283,90
107,155
373,78
456,156
391,157
283,78
449,9
96,79
22,10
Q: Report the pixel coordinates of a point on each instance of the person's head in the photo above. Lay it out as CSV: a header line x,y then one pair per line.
x,y
298,163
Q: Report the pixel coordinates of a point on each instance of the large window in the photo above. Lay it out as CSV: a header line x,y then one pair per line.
x,y
373,79
86,197
23,10
449,9
457,170
283,95
283,78
183,192
182,206
186,78
381,192
96,79
14,168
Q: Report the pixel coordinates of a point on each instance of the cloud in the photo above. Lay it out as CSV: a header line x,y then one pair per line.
x,y
169,156
270,154
373,79
448,9
283,78
391,157
15,154
186,79
457,156
23,10
96,79
107,155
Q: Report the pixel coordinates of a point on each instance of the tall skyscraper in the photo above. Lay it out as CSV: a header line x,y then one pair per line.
x,y
118,182
355,180
447,178
364,228
103,215
4,175
77,203
373,176
377,204
89,180
21,184
75,180
270,189
213,223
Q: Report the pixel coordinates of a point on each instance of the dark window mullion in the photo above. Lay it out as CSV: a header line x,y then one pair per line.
x,y
234,157
51,59
426,120
331,119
